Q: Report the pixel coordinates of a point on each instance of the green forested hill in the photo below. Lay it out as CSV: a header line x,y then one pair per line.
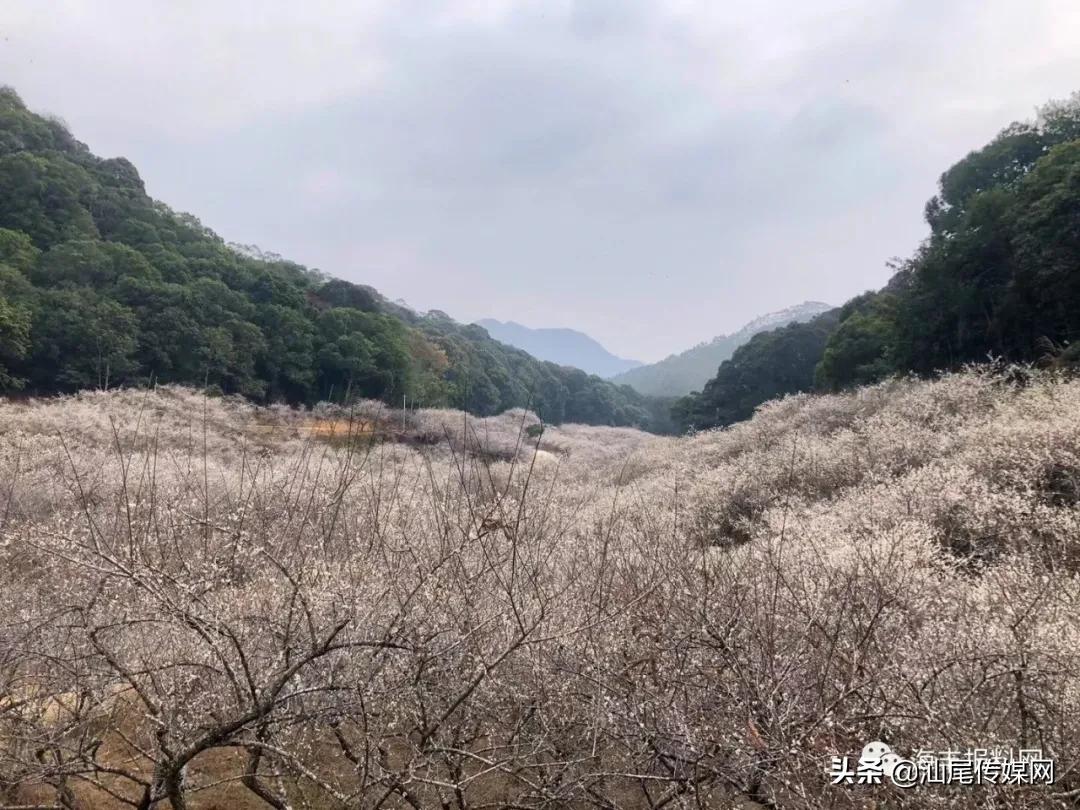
x,y
770,365
100,285
998,277
688,371
999,274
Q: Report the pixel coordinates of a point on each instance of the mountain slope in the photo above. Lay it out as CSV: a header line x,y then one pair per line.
x,y
999,274
100,286
998,277
688,371
567,347
771,364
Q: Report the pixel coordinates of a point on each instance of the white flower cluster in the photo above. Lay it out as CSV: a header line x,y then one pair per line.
x,y
199,597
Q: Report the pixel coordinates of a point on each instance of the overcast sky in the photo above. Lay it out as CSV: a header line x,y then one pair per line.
x,y
652,173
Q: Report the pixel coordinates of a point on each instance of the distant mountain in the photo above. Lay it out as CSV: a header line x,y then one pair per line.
x,y
567,347
680,374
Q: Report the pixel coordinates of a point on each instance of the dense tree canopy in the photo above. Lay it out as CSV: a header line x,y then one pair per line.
x,y
100,285
999,276
1000,273
773,363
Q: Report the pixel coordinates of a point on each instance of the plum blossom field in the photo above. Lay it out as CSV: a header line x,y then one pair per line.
x,y
206,604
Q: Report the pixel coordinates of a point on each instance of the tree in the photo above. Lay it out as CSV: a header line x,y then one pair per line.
x,y
190,308
82,340
17,251
43,198
289,362
860,350
772,364
14,341
1044,290
339,293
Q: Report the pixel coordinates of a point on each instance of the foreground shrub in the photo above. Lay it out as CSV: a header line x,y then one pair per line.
x,y
208,604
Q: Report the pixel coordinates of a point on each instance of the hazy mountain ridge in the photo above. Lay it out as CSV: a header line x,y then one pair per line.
x,y
567,347
688,371
773,320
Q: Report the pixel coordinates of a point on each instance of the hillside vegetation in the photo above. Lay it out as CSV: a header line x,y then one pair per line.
x,y
688,371
769,365
207,602
100,286
998,276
